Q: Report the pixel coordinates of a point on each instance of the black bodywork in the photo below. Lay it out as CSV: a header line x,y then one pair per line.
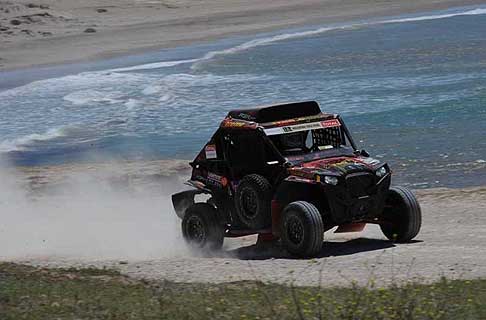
x,y
344,183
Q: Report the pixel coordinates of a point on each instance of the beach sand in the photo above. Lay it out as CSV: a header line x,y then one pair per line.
x,y
132,221
61,31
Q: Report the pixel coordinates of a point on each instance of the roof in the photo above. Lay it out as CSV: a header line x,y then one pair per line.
x,y
277,112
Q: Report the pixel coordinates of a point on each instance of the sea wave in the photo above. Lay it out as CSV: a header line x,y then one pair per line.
x,y
70,83
178,82
155,65
473,12
84,97
23,142
262,42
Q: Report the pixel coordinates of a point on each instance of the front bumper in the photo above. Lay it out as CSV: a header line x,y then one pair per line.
x,y
359,196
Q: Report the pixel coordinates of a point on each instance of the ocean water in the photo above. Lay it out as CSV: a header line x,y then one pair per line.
x,y
411,89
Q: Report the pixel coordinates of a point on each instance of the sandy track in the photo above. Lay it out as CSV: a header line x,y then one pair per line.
x,y
451,243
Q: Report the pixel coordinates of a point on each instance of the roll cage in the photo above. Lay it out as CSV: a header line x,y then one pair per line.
x,y
240,147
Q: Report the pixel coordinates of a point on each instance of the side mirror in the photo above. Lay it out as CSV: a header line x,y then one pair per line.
x,y
364,153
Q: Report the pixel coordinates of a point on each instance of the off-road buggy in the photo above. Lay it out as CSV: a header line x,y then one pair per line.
x,y
290,172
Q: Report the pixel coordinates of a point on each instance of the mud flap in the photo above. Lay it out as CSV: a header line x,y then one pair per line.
x,y
276,215
182,200
350,227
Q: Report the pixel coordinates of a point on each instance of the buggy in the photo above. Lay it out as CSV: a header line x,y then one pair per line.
x,y
290,172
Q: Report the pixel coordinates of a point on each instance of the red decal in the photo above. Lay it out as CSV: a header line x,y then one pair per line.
x,y
330,123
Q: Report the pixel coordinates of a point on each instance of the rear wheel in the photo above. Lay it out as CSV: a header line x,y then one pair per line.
x,y
201,228
402,215
302,229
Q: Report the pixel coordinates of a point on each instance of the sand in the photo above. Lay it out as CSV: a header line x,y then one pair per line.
x,y
89,226
60,31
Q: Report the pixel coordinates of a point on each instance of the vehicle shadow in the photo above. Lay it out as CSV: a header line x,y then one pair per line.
x,y
329,249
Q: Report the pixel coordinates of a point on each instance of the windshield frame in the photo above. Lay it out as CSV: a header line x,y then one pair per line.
x,y
349,150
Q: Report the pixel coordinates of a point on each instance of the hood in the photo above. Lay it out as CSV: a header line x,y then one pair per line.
x,y
335,166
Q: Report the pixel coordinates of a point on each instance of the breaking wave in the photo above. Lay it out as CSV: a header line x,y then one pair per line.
x,y
155,65
21,143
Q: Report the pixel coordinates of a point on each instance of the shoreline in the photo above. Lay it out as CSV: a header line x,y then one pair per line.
x,y
149,27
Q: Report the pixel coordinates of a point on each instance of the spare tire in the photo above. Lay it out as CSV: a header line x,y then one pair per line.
x,y
253,201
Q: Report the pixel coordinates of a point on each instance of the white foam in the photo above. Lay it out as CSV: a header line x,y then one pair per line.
x,y
166,98
85,97
132,103
262,42
435,17
71,83
155,65
151,89
19,144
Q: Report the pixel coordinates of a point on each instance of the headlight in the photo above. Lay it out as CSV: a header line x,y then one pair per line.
x,y
331,180
381,172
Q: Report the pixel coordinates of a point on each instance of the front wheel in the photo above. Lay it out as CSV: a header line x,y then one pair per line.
x,y
302,229
201,228
402,216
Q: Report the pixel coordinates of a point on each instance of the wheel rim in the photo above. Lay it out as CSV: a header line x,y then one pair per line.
x,y
295,230
249,203
195,230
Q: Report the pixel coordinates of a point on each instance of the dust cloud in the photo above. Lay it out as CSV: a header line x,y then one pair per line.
x,y
89,215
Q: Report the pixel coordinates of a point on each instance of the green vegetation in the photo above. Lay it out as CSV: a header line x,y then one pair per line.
x,y
31,293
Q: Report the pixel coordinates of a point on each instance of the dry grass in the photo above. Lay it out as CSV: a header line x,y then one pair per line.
x,y
31,293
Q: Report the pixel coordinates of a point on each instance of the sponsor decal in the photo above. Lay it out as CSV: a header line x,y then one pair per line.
x,y
246,116
341,164
347,165
302,173
210,151
217,180
300,179
283,122
228,123
303,127
330,123
295,120
370,161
